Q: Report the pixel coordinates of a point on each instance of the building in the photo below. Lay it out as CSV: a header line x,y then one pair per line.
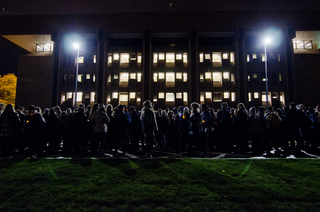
x,y
171,52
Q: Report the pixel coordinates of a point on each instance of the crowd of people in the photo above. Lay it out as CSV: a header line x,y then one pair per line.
x,y
196,130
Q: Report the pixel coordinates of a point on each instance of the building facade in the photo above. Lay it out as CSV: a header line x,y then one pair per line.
x,y
170,55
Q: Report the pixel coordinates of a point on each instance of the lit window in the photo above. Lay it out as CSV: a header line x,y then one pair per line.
x,y
94,58
161,95
115,76
264,97
161,56
178,75
185,96
39,47
232,58
233,96
139,77
208,95
109,78
255,75
155,98
79,96
155,77
115,56
123,97
201,78
80,59
161,75
249,78
275,95
169,97
109,60
232,78
249,97
179,95
201,98
155,58
87,76
282,101
280,78
208,75
308,44
254,56
226,75
185,58
170,59
256,95
139,58
133,75
217,97
217,79
201,57
69,95
170,81
124,58
86,96
263,58
226,95
80,78
65,77
207,56
124,79
93,78
178,56
225,56
185,77
132,95
133,57
278,57
92,96
47,47
216,58
248,58
63,97
138,97
115,95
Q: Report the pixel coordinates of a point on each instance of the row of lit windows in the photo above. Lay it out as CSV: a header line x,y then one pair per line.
x,y
170,58
81,77
217,77
217,96
170,77
255,76
302,44
262,57
217,57
170,97
124,58
69,95
44,47
263,96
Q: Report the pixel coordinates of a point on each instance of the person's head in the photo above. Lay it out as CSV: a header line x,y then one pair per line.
x,y
270,109
95,107
81,110
241,107
292,106
318,108
82,105
58,110
69,111
261,110
132,109
279,111
252,111
31,110
109,108
17,108
194,107
186,110
163,113
224,105
52,111
102,107
46,111
147,104
38,109
204,107
120,108
8,109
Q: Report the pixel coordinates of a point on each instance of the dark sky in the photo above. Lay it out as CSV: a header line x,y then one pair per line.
x,y
37,7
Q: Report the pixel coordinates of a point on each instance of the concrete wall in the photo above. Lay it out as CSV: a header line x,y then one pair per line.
x,y
34,84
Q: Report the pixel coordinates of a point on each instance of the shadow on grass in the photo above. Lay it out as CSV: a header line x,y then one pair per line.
x,y
7,162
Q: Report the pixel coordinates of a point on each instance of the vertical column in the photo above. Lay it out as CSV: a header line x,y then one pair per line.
x,y
193,71
240,47
55,37
146,68
290,89
100,87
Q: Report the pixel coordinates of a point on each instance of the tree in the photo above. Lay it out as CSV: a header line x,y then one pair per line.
x,y
8,87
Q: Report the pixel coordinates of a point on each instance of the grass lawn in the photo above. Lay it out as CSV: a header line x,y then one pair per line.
x,y
159,185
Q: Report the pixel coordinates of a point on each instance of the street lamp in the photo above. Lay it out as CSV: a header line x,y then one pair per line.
x,y
266,41
76,46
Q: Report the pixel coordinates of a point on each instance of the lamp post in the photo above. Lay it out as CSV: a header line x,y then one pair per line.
x,y
76,46
266,41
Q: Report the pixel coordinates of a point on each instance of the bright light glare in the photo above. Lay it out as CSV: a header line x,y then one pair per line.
x,y
76,45
267,40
